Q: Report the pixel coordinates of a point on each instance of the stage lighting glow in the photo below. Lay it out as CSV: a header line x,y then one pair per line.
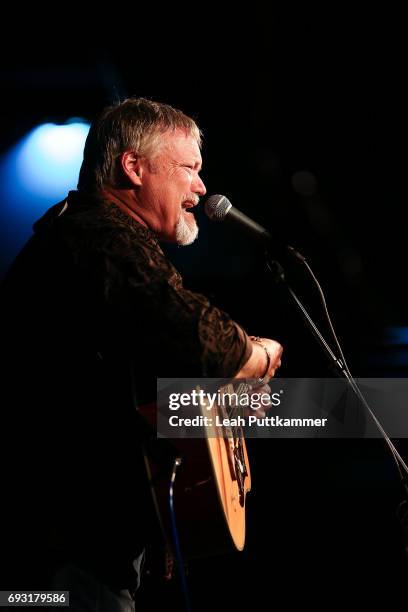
x,y
396,335
49,159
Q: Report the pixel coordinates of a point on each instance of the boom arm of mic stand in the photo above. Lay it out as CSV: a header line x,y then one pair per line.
x,y
278,275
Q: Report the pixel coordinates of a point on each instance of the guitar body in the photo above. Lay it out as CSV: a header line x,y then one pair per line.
x,y
209,491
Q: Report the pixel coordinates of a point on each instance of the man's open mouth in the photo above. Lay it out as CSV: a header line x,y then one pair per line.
x,y
187,205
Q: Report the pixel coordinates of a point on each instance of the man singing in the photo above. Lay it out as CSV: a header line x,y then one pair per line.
x,y
93,313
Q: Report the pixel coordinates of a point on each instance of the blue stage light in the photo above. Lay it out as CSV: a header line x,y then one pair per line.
x,y
36,173
396,336
49,158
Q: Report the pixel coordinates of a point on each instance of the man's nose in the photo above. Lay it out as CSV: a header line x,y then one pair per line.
x,y
199,187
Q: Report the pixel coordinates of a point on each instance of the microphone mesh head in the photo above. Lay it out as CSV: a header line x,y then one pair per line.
x,y
216,207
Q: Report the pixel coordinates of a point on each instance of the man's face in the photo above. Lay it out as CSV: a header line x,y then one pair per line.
x,y
171,186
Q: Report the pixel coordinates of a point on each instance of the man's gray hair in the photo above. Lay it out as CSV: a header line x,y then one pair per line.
x,y
135,124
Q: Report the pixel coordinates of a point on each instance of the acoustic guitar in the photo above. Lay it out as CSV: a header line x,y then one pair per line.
x,y
211,484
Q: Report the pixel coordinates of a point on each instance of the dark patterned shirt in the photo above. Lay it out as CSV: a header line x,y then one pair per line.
x,y
92,313
123,268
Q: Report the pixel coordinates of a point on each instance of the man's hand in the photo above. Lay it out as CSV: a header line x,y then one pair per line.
x,y
259,391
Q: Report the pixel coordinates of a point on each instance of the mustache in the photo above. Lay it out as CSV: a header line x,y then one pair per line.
x,y
191,197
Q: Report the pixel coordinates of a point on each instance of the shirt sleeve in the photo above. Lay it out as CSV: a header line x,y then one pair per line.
x,y
187,334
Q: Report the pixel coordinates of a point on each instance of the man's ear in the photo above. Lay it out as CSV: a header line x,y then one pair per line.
x,y
131,165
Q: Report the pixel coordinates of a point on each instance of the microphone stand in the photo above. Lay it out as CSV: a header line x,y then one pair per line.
x,y
341,369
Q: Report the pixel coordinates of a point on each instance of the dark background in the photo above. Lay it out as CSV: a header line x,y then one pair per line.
x,y
304,120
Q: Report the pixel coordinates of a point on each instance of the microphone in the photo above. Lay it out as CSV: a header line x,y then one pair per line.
x,y
219,208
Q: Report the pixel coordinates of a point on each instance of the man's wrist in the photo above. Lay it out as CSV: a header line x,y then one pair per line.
x,y
258,340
